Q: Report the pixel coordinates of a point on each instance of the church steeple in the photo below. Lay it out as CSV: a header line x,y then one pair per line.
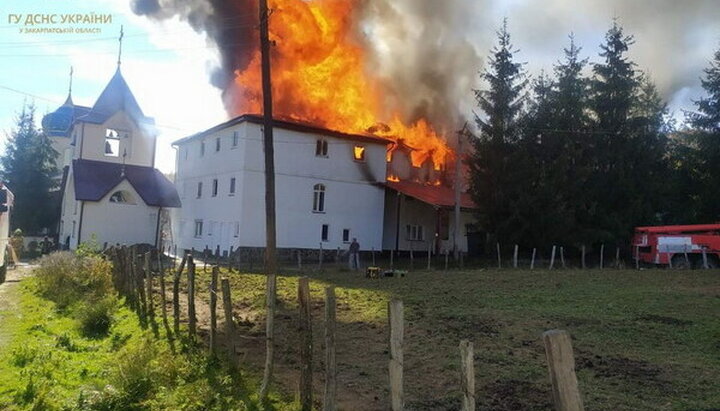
x,y
68,101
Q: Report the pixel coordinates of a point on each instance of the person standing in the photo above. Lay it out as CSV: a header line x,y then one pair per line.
x,y
354,255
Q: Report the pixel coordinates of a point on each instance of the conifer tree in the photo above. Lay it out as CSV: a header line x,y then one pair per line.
x,y
28,166
495,176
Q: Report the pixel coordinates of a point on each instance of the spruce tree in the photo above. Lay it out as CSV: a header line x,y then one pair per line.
x,y
705,141
495,175
28,166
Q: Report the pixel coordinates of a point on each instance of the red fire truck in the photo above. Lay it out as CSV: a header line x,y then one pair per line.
x,y
679,246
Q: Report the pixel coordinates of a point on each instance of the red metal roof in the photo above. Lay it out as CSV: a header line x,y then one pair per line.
x,y
434,195
679,228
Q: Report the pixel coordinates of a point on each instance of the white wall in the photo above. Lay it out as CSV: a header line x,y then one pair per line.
x,y
119,223
91,138
353,200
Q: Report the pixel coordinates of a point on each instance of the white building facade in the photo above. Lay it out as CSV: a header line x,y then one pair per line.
x,y
111,192
329,187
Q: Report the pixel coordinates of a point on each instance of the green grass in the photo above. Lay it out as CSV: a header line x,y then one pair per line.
x,y
50,364
642,339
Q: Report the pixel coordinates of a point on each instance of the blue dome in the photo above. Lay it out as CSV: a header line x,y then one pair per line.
x,y
57,123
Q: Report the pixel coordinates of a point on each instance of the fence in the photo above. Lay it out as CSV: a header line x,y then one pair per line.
x,y
134,275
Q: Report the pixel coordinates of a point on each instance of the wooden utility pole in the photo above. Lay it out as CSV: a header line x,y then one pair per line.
x,y
270,241
458,184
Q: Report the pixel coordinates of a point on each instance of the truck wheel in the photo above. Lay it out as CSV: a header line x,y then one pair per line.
x,y
679,262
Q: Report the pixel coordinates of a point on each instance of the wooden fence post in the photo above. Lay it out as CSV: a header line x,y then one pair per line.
x,y
561,364
213,309
637,257
206,256
447,255
372,251
429,255
583,256
562,256
617,257
227,307
149,285
191,299
412,260
330,362
705,259
467,375
163,297
498,256
515,256
552,258
602,255
532,260
231,259
176,294
320,257
305,344
395,313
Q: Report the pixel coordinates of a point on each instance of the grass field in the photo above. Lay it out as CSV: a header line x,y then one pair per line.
x,y
643,340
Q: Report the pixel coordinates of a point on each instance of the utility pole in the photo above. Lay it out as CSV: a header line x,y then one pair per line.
x,y
270,240
458,178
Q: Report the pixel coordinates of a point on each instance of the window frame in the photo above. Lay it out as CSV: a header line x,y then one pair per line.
x,y
363,150
319,191
235,139
198,224
199,189
217,144
115,139
325,233
231,191
346,235
321,148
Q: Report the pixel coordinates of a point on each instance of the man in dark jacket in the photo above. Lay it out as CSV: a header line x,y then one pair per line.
x,y
354,255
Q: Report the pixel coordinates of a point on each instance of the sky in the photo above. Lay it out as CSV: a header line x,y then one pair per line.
x,y
168,65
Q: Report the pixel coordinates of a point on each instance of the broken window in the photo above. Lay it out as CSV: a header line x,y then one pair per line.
x,y
319,198
321,147
112,142
359,153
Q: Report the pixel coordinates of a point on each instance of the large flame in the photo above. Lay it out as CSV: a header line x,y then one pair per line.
x,y
319,76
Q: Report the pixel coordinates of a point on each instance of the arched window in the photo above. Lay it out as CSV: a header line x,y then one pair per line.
x,y
122,197
319,198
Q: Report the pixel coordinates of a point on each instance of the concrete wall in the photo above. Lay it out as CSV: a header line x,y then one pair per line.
x,y
353,197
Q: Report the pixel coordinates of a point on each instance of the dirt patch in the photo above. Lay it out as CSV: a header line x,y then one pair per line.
x,y
637,371
510,394
664,320
8,298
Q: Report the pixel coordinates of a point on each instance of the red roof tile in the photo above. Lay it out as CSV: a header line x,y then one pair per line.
x,y
434,195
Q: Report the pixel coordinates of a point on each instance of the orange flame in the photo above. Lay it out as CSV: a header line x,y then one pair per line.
x,y
319,77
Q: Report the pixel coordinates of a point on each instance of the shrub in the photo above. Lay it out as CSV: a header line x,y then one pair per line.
x,y
96,316
66,278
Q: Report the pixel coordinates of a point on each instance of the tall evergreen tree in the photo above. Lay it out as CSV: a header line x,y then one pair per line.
x,y
28,166
705,142
495,176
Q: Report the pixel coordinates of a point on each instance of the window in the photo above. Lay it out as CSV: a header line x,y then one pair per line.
x,y
321,148
198,228
112,143
236,233
346,235
359,153
319,198
121,197
235,139
215,187
199,189
202,148
217,144
324,232
232,186
414,232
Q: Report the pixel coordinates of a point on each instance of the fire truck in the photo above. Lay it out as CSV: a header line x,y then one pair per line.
x,y
678,246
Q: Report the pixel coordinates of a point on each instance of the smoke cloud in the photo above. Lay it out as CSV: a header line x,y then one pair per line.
x,y
427,53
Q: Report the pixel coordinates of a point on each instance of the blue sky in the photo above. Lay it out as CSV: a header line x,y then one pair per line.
x,y
167,64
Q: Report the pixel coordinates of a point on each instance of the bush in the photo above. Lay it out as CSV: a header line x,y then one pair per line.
x,y
65,279
96,316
